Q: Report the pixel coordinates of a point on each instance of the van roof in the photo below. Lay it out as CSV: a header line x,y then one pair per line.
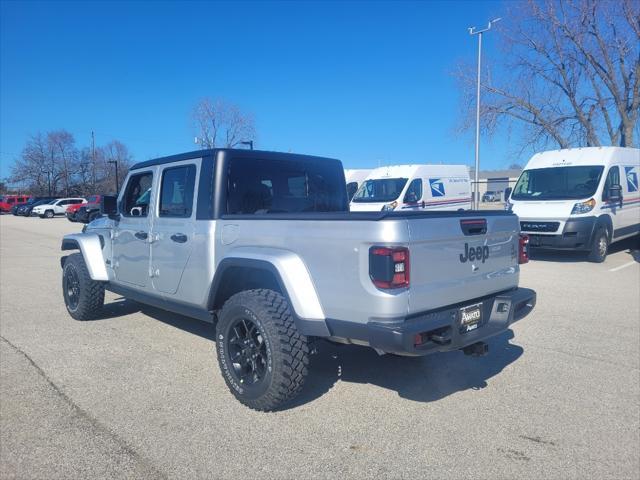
x,y
583,156
356,174
410,171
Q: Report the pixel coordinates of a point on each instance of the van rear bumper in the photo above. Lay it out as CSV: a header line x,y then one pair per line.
x,y
438,330
576,235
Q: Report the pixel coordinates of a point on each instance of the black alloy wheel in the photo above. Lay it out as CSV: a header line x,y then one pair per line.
x,y
247,351
71,287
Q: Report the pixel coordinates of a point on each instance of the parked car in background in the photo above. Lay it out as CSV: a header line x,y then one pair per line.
x,y
7,202
579,199
354,178
85,212
414,187
491,196
22,207
71,212
57,207
25,209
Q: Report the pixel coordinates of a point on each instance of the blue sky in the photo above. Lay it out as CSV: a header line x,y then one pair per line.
x,y
367,82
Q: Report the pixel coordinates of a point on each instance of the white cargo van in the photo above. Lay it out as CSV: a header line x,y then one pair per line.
x,y
579,198
414,187
354,178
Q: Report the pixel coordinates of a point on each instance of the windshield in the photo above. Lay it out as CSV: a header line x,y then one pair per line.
x,y
380,190
558,183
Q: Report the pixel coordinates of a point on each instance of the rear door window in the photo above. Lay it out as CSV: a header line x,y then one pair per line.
x,y
176,191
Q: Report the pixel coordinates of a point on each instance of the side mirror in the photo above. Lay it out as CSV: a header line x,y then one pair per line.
x,y
109,207
614,194
507,193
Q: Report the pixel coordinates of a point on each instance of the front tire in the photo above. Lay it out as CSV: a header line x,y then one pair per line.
x,y
262,356
49,214
83,297
600,246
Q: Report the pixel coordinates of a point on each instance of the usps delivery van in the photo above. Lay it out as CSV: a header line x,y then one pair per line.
x,y
414,187
354,178
579,198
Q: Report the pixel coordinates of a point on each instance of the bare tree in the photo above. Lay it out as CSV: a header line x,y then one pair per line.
x,y
221,124
112,151
571,75
63,154
53,157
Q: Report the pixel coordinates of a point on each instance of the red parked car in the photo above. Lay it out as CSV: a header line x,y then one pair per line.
x,y
9,201
93,202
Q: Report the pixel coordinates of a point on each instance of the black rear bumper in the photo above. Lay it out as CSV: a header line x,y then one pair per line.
x,y
439,330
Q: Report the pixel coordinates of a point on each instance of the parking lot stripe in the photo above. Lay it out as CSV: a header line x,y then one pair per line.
x,y
628,264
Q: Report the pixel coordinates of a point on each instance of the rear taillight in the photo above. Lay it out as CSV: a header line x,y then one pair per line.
x,y
523,249
389,267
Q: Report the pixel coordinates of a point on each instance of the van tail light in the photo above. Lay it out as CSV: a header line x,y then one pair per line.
x,y
389,267
523,249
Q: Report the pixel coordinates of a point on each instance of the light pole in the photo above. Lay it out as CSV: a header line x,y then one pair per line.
x,y
472,31
115,162
248,142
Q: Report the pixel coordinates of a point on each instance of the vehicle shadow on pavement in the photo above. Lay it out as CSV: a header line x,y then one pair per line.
x,y
122,307
422,379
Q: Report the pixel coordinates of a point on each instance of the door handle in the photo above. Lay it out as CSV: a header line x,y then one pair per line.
x,y
141,235
179,237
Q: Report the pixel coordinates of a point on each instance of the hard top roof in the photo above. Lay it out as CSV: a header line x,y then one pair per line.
x,y
237,152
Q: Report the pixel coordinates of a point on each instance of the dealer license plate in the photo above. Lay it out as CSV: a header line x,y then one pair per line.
x,y
470,317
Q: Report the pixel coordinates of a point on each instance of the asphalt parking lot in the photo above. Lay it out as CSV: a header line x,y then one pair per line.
x,y
138,393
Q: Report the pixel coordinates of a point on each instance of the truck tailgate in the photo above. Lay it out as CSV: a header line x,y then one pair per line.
x,y
457,259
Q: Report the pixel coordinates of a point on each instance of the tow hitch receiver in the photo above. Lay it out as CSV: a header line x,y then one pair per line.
x,y
478,349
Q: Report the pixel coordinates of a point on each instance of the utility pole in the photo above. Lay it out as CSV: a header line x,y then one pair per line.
x,y
249,143
93,160
475,204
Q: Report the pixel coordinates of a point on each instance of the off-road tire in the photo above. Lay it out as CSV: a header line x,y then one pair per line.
x,y
599,246
49,214
90,295
287,351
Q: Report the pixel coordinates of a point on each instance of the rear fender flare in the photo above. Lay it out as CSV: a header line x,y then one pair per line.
x,y
292,277
90,245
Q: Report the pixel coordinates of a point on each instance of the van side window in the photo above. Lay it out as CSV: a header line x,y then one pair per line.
x,y
176,191
414,192
137,196
352,188
613,178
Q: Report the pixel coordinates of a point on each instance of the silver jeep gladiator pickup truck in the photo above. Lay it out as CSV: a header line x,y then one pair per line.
x,y
263,246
